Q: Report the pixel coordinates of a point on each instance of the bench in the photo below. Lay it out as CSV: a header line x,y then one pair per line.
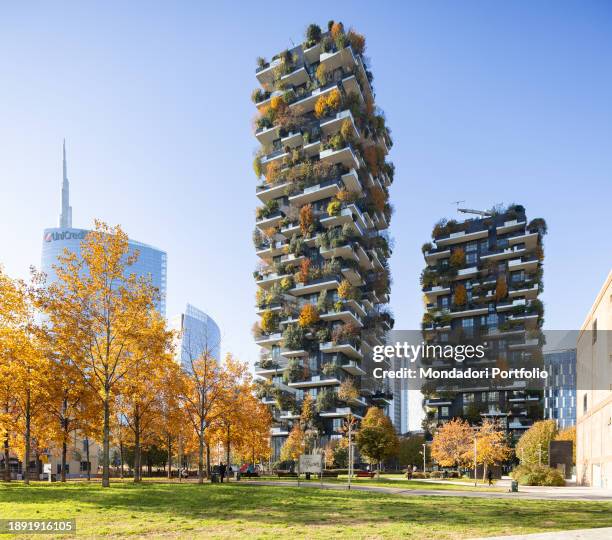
x,y
364,474
286,474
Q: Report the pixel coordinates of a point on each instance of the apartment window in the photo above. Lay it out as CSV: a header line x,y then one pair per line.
x,y
517,277
584,403
85,466
468,398
444,302
492,320
484,247
493,396
470,247
337,424
276,351
444,411
594,329
471,258
468,326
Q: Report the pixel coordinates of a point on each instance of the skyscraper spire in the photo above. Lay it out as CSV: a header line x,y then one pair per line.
x,y
66,215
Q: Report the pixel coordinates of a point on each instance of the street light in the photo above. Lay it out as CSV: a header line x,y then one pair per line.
x,y
424,456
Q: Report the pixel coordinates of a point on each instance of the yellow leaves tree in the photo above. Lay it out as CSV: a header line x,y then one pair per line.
x,y
294,446
328,104
95,309
457,258
532,447
492,446
24,357
306,219
269,321
501,288
143,382
451,443
308,316
460,296
377,439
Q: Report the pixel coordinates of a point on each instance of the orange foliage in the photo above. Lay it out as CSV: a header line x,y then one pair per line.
x,y
304,271
379,198
308,316
306,219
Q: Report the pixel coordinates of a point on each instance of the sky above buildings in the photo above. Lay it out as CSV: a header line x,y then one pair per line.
x,y
488,102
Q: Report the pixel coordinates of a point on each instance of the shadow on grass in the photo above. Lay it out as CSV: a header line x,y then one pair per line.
x,y
292,506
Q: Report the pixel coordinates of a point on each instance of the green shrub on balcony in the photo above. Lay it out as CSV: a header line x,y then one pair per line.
x,y
294,337
457,258
334,208
326,400
294,371
329,369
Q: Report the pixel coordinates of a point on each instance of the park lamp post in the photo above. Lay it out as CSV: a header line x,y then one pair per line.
x,y
349,425
424,457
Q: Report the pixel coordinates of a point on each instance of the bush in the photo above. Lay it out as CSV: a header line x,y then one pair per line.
x,y
537,475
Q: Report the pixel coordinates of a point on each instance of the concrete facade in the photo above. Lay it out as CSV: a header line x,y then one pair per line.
x,y
594,394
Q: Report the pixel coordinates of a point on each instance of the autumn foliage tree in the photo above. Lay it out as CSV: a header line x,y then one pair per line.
x,y
492,446
451,443
377,439
95,308
532,447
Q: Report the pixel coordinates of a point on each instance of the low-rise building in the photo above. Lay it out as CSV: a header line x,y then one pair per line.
x,y
594,393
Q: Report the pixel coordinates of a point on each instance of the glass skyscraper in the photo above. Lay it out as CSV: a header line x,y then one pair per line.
x,y
560,388
151,262
197,334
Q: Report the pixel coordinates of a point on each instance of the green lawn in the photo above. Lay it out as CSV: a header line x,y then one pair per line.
x,y
397,481
220,511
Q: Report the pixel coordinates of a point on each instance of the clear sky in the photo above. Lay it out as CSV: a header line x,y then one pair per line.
x,y
488,102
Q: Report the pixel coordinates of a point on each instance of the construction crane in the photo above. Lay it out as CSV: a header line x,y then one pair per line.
x,y
477,212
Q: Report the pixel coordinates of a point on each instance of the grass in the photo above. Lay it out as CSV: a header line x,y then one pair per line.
x,y
222,511
396,481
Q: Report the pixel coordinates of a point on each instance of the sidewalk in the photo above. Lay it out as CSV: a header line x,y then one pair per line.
x,y
579,534
525,492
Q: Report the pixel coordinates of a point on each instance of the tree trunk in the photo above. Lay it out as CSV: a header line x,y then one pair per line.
x,y
121,459
169,457
227,457
28,420
106,442
137,456
7,467
201,458
179,458
87,458
64,452
484,472
208,468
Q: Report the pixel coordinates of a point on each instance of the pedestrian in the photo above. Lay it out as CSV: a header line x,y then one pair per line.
x,y
490,477
222,470
230,473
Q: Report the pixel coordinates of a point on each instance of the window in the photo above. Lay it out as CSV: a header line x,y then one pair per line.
x,y
471,246
85,466
444,411
471,258
584,403
468,398
468,326
444,302
484,246
492,320
594,327
517,277
337,424
493,396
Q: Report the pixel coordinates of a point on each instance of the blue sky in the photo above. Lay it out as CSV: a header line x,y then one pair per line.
x,y
488,102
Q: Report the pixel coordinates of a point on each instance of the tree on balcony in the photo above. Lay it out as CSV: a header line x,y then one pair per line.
x,y
328,104
326,400
348,391
269,322
294,337
309,316
457,258
460,295
501,288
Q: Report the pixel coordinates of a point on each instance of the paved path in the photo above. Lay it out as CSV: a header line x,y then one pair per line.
x,y
526,492
579,534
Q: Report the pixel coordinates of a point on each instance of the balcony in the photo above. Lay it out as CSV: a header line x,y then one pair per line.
x,y
333,60
276,155
323,190
265,75
438,402
270,221
351,181
530,320
530,263
353,276
269,280
329,127
292,140
348,349
279,432
357,307
433,292
296,77
351,86
353,368
266,136
502,254
269,372
529,239
460,237
338,412
350,214
465,273
505,306
307,103
266,192
269,251
528,344
288,415
510,226
529,291
345,314
344,156
315,381
315,286
311,55
269,340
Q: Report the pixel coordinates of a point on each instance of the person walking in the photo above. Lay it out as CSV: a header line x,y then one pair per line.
x,y
222,469
490,477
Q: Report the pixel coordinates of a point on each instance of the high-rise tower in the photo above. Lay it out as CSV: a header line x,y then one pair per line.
x,y
66,215
320,234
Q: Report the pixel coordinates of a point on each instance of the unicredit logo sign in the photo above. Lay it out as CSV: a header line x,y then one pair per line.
x,y
64,235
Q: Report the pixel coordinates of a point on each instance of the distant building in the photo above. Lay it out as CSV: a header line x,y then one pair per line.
x,y
198,333
560,387
594,394
151,263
